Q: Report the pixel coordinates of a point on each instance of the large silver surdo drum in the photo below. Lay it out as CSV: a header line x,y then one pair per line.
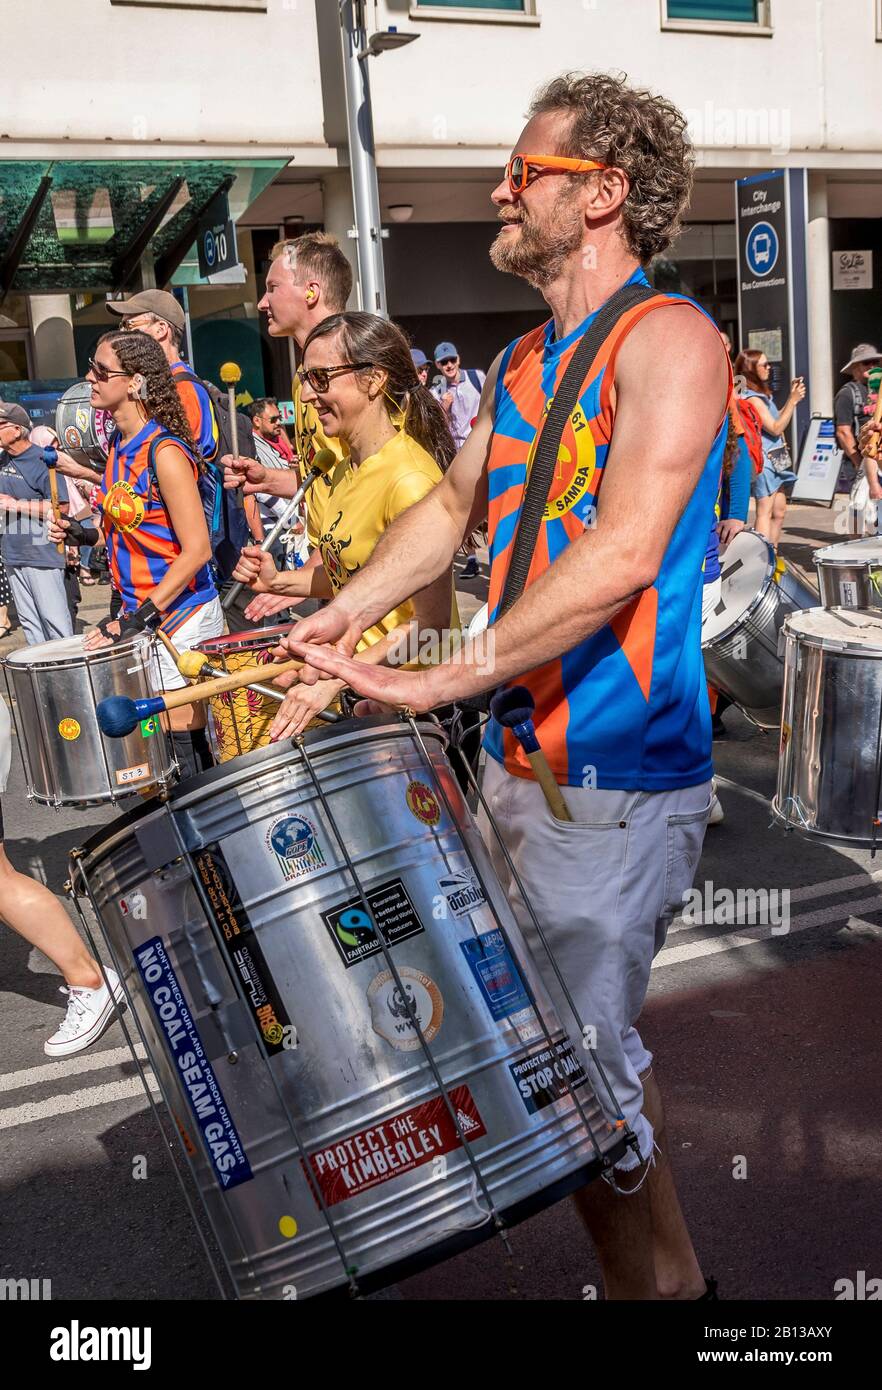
x,y
740,638
850,574
85,432
54,688
303,1077
829,768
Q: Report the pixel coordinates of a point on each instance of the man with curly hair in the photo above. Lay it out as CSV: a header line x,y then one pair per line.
x,y
606,633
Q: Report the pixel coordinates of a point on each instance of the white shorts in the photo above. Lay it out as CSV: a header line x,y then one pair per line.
x,y
604,889
207,621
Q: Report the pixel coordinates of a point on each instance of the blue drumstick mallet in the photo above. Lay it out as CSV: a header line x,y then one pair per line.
x,y
513,709
119,715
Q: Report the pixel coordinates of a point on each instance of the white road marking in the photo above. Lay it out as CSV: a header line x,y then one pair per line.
x,y
809,892
749,936
73,1066
91,1096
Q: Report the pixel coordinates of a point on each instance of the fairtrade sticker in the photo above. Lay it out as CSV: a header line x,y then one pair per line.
x,y
69,729
393,1009
423,803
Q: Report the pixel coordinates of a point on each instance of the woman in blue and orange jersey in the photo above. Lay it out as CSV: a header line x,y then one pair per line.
x,y
153,520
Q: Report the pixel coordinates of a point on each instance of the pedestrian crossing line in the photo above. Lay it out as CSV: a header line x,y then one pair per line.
x,y
108,1094
808,892
73,1066
750,936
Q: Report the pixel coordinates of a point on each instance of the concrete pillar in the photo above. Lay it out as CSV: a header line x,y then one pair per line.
x,y
52,326
820,299
339,219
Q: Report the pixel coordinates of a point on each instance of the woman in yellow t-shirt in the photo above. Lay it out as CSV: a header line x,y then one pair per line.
x,y
358,375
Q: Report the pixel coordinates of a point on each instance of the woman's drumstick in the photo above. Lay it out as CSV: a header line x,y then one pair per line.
x,y
118,715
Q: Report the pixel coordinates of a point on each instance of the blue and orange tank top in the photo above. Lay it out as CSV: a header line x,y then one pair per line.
x,y
198,409
141,541
626,709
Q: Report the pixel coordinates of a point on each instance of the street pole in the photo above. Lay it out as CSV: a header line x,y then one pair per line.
x,y
362,158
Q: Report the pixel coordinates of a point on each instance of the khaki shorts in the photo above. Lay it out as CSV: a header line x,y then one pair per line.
x,y
604,889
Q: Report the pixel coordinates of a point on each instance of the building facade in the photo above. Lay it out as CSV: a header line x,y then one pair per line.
x,y
110,157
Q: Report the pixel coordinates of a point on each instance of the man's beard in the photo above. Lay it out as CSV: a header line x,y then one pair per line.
x,y
539,254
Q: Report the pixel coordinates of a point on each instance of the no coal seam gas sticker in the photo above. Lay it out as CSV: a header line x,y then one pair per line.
x,y
198,1081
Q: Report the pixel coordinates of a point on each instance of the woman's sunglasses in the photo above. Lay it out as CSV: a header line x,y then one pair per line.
x,y
102,373
319,378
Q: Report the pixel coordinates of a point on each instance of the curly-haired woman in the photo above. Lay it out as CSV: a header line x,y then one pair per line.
x,y
152,519
359,377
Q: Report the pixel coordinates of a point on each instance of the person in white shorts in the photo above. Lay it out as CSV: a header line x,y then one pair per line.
x,y
34,913
153,521
606,631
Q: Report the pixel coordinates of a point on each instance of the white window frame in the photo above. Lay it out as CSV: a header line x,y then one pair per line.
x,y
761,29
244,6
476,16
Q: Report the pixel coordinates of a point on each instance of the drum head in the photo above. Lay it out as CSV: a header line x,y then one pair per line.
x,y
837,628
479,621
747,566
851,553
65,649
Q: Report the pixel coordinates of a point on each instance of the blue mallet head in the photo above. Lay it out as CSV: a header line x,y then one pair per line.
x,y
118,715
513,709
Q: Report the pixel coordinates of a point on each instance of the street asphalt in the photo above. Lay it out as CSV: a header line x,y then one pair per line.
x,y
766,1046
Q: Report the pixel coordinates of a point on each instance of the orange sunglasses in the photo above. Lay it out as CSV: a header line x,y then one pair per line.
x,y
517,170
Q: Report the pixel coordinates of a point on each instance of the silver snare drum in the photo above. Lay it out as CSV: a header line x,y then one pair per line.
x,y
288,1053
86,432
850,574
828,771
740,638
54,688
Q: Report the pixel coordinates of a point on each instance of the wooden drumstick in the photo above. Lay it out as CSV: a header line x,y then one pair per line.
x,y
513,709
169,646
50,457
118,715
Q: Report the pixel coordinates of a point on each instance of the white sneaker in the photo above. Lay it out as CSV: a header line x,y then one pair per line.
x,y
716,812
89,1013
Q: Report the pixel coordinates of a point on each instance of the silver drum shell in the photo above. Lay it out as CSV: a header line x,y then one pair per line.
x,y
344,1077
744,662
89,767
848,586
828,765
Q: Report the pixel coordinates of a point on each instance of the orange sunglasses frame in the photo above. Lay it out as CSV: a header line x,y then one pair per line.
x,y
549,161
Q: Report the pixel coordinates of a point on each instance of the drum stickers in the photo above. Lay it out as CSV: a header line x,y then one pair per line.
x,y
397,1146
351,930
295,844
394,1010
497,976
69,729
244,950
221,1140
548,1075
423,803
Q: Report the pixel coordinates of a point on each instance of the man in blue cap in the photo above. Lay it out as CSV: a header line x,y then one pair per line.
x,y
421,364
458,390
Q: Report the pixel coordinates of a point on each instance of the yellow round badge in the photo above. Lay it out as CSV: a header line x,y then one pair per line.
x,y
423,803
576,464
69,729
124,507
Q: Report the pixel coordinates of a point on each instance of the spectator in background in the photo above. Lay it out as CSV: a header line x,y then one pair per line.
x,y
851,410
768,486
34,565
458,390
422,365
274,451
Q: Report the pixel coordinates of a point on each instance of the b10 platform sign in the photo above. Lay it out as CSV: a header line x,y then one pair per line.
x,y
216,238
